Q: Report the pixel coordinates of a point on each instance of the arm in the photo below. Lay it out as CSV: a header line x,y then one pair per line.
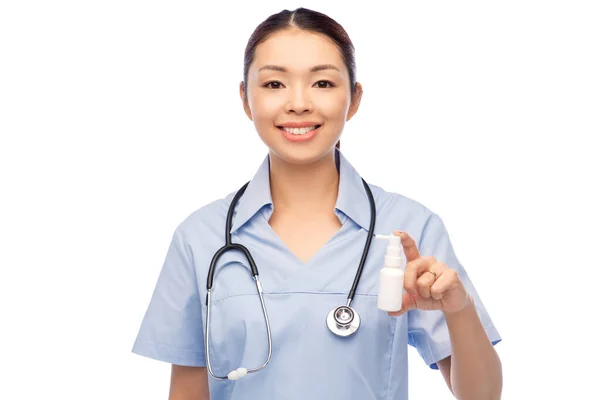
x,y
189,383
474,370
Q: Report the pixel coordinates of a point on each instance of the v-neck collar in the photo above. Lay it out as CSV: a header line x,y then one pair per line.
x,y
352,198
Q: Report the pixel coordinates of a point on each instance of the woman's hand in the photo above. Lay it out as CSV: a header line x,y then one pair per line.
x,y
430,284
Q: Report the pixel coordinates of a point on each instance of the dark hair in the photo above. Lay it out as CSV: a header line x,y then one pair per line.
x,y
308,20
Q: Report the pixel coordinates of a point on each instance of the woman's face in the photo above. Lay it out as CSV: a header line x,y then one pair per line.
x,y
285,88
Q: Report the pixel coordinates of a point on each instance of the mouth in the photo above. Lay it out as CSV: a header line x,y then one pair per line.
x,y
300,135
299,131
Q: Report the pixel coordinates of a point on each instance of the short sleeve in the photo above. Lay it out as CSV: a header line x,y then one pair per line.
x,y
172,328
427,330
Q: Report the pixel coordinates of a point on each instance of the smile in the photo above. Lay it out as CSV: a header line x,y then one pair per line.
x,y
297,135
300,131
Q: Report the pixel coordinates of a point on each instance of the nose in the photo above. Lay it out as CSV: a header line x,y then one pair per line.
x,y
299,101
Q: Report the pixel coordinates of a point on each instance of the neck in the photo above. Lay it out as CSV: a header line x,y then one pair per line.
x,y
307,189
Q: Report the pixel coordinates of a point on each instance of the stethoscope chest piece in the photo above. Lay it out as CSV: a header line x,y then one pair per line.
x,y
343,321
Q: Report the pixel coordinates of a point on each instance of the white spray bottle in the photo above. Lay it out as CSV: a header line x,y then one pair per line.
x,y
391,277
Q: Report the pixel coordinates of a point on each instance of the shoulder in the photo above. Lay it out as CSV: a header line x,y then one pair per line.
x,y
397,204
396,211
206,223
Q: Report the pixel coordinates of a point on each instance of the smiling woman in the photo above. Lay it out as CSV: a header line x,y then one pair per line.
x,y
318,76
305,221
326,30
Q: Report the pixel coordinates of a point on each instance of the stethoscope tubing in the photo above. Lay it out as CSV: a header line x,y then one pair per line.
x,y
370,235
254,270
267,323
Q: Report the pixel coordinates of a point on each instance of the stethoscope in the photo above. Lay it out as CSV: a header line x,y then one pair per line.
x,y
342,320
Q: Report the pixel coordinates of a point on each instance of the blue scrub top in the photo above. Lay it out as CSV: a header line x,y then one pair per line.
x,y
308,361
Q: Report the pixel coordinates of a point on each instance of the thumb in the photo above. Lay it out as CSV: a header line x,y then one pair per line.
x,y
408,303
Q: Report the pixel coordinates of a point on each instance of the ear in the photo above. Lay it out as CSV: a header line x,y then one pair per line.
x,y
355,101
245,101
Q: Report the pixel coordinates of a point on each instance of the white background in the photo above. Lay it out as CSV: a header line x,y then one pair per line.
x,y
485,112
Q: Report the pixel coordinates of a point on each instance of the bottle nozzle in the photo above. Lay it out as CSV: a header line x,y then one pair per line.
x,y
393,255
395,241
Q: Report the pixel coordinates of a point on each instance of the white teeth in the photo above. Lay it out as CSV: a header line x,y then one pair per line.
x,y
300,131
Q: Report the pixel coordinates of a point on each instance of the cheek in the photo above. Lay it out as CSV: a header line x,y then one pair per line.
x,y
265,109
333,108
265,105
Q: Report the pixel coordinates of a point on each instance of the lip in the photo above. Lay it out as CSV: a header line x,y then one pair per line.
x,y
300,138
298,124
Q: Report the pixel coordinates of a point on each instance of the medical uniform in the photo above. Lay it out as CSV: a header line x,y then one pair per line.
x,y
308,361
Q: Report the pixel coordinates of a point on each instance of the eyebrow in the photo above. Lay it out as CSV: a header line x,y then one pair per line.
x,y
316,68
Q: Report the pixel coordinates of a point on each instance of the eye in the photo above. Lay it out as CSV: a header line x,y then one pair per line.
x,y
269,85
279,85
323,84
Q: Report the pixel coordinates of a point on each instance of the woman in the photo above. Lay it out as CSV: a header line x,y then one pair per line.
x,y
305,219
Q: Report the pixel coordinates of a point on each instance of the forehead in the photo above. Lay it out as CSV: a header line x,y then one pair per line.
x,y
297,49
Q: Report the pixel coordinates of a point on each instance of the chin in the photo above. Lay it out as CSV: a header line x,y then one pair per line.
x,y
295,154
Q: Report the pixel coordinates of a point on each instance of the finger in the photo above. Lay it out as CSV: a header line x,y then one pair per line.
x,y
410,247
428,277
408,303
445,281
413,271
